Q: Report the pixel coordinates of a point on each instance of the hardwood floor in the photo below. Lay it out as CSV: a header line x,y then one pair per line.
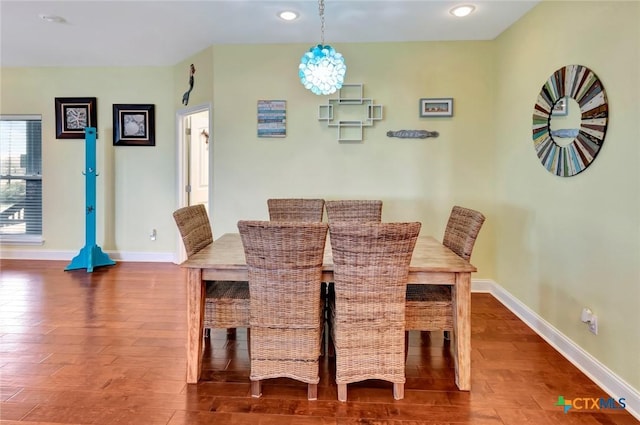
x,y
108,348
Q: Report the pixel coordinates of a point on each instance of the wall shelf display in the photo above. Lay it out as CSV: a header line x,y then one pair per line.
x,y
581,84
350,112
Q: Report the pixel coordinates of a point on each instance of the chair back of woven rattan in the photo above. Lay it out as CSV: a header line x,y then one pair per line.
x,y
359,211
462,230
296,209
371,268
430,307
226,302
194,226
284,261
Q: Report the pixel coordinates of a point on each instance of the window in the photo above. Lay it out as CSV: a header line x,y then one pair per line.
x,y
21,178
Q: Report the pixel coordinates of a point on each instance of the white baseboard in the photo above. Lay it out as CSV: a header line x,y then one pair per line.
x,y
147,257
40,254
482,285
590,366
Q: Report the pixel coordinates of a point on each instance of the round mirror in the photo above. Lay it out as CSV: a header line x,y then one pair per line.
x,y
567,142
564,124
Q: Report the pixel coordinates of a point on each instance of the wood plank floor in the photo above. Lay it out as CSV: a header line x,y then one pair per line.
x,y
108,348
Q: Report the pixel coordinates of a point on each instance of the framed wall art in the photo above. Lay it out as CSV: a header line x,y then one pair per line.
x,y
436,107
272,118
73,115
134,125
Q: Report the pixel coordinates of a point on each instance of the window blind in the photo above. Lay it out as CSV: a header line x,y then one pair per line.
x,y
20,178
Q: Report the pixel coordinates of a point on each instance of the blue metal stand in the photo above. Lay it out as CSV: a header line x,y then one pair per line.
x,y
90,255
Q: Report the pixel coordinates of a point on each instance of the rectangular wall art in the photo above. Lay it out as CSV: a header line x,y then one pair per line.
x,y
436,107
272,118
73,114
134,125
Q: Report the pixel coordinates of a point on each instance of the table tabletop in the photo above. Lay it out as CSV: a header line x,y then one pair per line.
x,y
224,259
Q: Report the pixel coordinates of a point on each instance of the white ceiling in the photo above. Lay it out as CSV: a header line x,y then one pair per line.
x,y
162,33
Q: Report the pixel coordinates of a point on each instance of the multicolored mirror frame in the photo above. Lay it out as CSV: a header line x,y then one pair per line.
x,y
583,85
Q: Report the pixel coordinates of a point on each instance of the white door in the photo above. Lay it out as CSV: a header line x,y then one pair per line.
x,y
194,144
198,175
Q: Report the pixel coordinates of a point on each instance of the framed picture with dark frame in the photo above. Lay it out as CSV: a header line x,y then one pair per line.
x,y
73,115
436,107
134,125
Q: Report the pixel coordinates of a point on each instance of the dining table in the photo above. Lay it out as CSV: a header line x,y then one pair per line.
x,y
432,263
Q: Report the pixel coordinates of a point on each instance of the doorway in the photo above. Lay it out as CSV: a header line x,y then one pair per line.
x,y
194,147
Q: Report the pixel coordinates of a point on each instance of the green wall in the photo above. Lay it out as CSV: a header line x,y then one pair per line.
x,y
567,243
203,86
136,185
417,179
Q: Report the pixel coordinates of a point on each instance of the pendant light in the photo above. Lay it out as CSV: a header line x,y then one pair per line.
x,y
322,69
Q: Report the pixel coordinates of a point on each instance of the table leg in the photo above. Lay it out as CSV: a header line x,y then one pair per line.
x,y
195,319
462,330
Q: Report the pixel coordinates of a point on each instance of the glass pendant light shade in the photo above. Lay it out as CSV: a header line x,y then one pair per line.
x,y
322,70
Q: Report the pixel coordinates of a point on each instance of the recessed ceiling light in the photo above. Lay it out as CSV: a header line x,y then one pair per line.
x,y
52,18
462,10
288,15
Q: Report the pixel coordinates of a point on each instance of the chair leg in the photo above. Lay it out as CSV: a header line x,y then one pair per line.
x,y
256,390
324,339
325,318
249,342
342,392
331,348
312,391
207,333
231,333
398,391
447,335
406,345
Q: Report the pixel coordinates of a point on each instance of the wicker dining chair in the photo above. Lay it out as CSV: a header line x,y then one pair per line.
x,y
298,209
430,307
361,211
226,303
371,268
284,261
295,209
352,211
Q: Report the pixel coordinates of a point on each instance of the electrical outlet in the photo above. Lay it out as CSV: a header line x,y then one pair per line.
x,y
586,315
590,319
593,324
153,235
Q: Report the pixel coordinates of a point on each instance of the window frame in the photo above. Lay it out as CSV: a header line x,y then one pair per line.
x,y
26,238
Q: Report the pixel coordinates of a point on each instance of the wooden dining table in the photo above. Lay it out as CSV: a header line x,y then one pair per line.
x,y
432,263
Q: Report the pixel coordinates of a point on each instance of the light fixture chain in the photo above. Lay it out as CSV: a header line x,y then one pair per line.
x,y
321,12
